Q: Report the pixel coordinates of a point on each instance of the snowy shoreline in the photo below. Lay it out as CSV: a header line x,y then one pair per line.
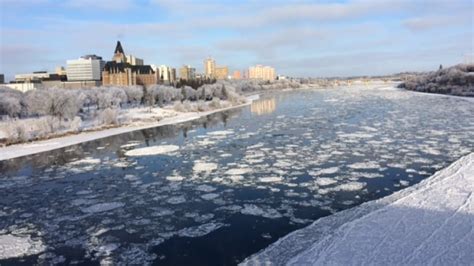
x,y
19,150
430,222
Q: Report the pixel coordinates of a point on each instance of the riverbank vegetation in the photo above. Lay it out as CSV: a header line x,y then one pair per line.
x,y
45,113
456,80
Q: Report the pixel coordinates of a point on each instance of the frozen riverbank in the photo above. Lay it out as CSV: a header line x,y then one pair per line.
x,y
18,150
430,222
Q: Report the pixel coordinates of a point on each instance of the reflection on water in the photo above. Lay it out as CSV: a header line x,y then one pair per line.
x,y
262,107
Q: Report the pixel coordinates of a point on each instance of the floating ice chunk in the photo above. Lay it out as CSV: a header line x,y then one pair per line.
x,y
201,230
103,207
221,133
175,178
200,167
327,171
106,250
153,150
325,181
176,200
161,212
236,178
210,196
238,171
205,188
251,209
404,183
271,179
130,145
87,160
15,246
351,186
364,165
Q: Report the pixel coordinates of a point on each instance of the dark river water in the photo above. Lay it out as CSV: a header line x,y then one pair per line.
x,y
216,190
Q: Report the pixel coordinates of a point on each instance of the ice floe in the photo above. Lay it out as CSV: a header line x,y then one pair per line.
x,y
103,207
200,167
18,246
153,150
200,230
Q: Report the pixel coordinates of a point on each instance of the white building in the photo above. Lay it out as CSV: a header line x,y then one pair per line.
x,y
88,67
165,73
39,75
24,87
132,60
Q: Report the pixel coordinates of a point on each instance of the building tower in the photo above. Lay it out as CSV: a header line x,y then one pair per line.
x,y
119,55
209,67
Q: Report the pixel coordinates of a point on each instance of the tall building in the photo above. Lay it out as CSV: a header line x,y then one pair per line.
x,y
221,72
2,78
165,73
173,75
209,67
60,70
119,72
187,72
134,61
88,67
236,75
262,72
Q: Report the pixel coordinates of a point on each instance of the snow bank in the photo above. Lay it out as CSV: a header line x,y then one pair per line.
x,y
429,223
153,150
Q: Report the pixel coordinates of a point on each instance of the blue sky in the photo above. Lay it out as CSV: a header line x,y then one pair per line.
x,y
298,38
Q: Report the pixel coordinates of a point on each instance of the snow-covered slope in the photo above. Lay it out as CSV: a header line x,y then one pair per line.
x,y
429,223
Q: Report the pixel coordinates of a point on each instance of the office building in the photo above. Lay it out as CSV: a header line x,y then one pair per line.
x,y
88,67
187,72
209,67
262,72
221,72
236,75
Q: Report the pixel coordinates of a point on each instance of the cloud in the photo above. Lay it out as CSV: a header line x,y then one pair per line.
x,y
108,5
418,24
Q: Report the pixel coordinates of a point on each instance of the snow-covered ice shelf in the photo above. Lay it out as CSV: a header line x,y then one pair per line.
x,y
429,223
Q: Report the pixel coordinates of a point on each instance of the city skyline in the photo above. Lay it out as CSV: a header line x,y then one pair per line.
x,y
299,38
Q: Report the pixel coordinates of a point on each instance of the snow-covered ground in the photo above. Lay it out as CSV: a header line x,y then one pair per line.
x,y
145,120
429,223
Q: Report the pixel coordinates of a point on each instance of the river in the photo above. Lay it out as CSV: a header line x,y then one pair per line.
x,y
216,190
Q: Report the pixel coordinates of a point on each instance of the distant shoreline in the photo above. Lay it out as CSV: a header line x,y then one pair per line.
x,y
25,149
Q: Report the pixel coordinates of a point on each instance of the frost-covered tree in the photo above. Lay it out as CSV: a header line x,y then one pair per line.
x,y
11,102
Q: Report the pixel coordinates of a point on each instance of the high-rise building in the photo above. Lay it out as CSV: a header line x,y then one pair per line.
x,y
165,73
134,61
119,72
88,67
221,72
187,72
209,67
262,72
173,75
2,78
236,75
60,70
